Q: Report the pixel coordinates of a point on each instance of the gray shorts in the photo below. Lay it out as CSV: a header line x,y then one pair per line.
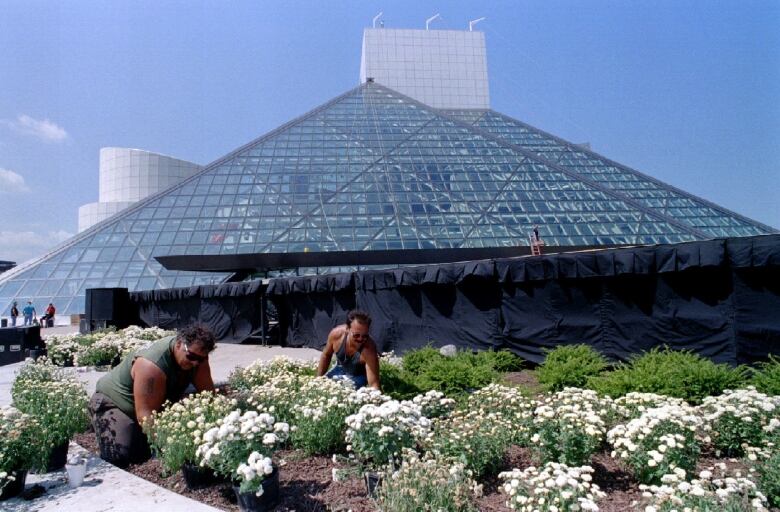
x,y
120,437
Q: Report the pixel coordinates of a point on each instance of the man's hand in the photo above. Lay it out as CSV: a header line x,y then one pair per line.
x,y
149,383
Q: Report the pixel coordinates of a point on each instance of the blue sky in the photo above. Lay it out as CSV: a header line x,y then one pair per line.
x,y
686,91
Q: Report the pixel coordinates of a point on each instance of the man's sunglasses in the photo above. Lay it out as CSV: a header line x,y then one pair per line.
x,y
192,356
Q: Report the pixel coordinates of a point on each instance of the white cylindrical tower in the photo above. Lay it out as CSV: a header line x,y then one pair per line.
x,y
129,175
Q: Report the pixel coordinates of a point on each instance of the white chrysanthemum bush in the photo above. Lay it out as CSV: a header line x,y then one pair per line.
x,y
19,444
56,398
658,442
276,396
737,419
377,434
434,404
509,403
552,488
713,489
101,348
428,483
476,437
634,404
176,432
568,427
261,372
320,408
241,441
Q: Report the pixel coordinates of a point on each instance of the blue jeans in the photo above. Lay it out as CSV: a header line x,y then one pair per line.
x,y
27,319
13,321
338,373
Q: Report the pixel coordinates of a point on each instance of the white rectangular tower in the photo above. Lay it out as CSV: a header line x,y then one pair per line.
x,y
441,68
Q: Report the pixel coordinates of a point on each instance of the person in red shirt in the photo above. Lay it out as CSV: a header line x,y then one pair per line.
x,y
49,315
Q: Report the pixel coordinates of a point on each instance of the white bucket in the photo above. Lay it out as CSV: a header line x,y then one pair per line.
x,y
76,474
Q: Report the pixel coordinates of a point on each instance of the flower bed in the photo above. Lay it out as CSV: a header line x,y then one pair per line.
x,y
100,348
570,450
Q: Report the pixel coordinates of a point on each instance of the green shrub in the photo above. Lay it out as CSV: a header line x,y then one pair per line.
x,y
416,361
396,382
766,378
426,369
455,375
570,366
680,374
501,360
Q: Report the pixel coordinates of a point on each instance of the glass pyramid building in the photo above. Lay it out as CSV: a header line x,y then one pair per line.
x,y
374,170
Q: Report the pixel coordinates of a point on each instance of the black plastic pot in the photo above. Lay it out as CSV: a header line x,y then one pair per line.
x,y
266,502
197,477
373,481
58,457
16,487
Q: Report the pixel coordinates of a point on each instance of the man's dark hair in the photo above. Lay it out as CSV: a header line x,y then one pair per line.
x,y
360,316
198,334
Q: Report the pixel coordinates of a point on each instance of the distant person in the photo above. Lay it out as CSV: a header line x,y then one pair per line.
x,y
125,397
50,310
29,313
14,314
356,355
536,233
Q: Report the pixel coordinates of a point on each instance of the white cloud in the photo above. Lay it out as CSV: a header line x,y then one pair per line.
x,y
20,246
11,182
45,130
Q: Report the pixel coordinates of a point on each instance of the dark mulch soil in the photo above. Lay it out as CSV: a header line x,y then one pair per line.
x,y
525,379
307,483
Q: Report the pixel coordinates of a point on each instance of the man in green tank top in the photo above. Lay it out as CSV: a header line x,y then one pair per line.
x,y
126,396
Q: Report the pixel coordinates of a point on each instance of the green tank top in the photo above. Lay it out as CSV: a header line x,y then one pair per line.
x,y
117,384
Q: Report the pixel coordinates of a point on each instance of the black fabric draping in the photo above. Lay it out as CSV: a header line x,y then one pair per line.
x,y
715,297
719,298
231,310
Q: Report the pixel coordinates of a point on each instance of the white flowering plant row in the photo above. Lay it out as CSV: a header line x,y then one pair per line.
x,y
713,489
428,483
552,488
102,347
377,434
176,432
19,444
238,446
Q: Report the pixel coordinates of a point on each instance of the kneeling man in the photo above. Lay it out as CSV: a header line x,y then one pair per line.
x,y
126,396
356,355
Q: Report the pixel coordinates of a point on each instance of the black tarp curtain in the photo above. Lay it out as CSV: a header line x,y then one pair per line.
x,y
720,298
231,310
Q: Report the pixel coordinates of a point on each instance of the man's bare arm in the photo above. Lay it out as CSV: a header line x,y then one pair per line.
x,y
202,378
149,383
327,355
371,358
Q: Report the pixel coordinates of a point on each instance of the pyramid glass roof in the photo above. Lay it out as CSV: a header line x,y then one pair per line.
x,y
373,170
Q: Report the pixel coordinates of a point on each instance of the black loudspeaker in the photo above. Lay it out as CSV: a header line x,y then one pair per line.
x,y
107,307
16,342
